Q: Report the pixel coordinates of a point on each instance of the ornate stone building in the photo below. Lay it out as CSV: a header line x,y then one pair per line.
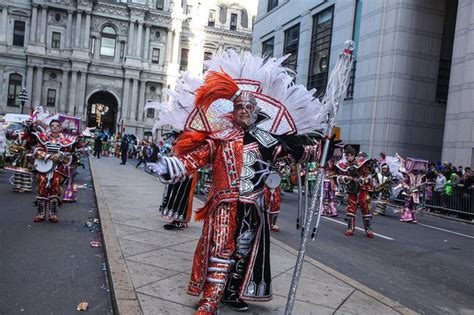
x,y
74,54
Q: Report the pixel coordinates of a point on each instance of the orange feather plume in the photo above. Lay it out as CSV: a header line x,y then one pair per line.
x,y
216,85
188,141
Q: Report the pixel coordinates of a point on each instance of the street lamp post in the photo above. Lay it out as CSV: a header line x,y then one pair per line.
x,y
23,97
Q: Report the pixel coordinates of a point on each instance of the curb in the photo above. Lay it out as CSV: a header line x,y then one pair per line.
x,y
356,285
124,298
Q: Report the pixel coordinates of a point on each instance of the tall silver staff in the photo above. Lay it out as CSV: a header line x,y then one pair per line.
x,y
335,91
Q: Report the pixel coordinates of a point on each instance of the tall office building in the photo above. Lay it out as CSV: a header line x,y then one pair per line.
x,y
412,85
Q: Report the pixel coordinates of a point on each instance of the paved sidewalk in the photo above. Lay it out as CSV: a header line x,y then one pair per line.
x,y
149,266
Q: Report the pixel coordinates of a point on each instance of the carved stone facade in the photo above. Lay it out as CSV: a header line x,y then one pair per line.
x,y
64,52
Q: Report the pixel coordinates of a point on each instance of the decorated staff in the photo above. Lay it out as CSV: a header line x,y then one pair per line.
x,y
335,91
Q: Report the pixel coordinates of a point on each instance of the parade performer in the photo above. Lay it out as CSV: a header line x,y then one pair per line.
x,y
52,157
354,177
70,194
21,148
330,189
244,117
414,179
384,180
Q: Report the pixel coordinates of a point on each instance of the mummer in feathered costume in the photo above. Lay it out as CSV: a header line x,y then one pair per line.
x,y
244,117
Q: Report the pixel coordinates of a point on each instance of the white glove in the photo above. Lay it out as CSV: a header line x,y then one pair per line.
x,y
171,166
160,168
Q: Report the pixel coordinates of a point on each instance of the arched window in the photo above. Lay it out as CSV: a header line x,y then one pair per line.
x,y
107,44
14,89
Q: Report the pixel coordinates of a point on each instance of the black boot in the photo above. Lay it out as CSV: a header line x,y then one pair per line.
x,y
41,212
175,225
368,230
53,210
350,225
234,283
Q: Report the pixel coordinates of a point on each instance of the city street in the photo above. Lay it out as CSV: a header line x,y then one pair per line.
x,y
50,268
427,267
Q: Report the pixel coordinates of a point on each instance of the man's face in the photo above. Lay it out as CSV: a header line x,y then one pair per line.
x,y
350,157
244,114
55,127
384,170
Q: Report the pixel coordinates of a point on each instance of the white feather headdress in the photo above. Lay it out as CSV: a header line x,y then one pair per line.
x,y
291,108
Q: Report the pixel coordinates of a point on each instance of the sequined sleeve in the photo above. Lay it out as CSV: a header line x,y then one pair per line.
x,y
199,157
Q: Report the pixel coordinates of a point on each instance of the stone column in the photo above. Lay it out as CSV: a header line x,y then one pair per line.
x,y
81,94
44,21
97,48
147,42
72,92
68,29
125,100
34,23
138,47
77,36
64,92
141,101
2,88
38,86
175,54
131,44
169,45
87,31
133,105
29,83
4,24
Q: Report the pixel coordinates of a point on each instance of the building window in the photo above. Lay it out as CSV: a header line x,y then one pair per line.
x,y
14,89
292,36
212,18
355,38
159,4
150,113
183,64
267,48
233,22
51,99
272,4
18,33
56,40
207,56
319,52
107,45
155,56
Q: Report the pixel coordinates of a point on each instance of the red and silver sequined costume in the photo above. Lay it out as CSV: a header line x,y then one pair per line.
x,y
355,177
232,258
49,183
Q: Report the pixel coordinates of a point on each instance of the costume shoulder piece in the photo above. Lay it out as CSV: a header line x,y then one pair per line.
x,y
263,137
41,136
227,134
360,160
67,140
343,165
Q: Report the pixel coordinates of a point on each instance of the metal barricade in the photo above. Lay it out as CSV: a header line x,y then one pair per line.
x,y
460,202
